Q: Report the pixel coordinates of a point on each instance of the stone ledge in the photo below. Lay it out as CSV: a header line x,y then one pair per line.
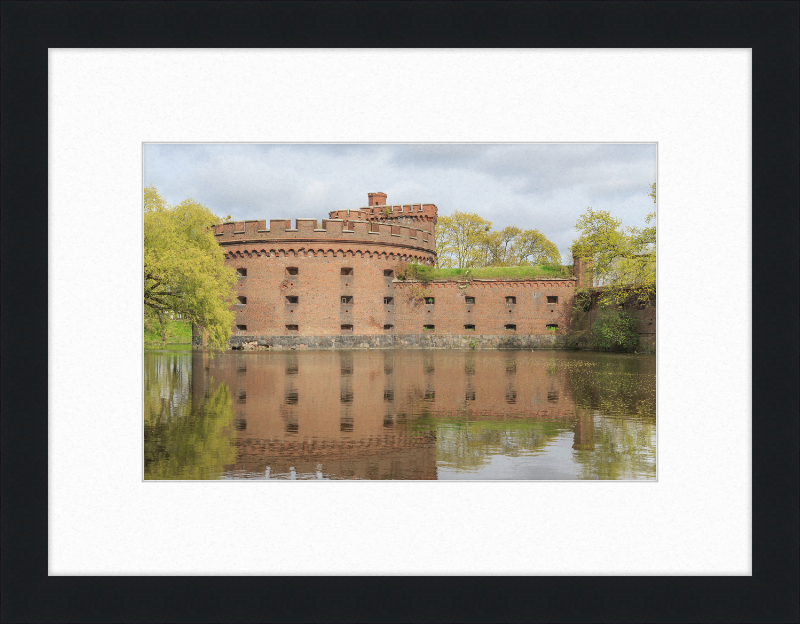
x,y
395,341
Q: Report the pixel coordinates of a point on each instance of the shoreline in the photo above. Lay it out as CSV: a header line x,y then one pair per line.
x,y
481,342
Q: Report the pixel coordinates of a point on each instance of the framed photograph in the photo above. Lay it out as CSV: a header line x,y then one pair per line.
x,y
714,537
482,337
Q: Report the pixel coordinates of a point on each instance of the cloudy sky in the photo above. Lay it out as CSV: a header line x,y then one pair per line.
x,y
530,185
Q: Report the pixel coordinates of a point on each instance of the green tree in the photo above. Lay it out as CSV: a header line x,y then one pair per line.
x,y
501,246
532,247
623,259
513,246
466,240
459,238
184,267
488,249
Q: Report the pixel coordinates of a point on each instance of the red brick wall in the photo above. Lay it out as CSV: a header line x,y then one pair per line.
x,y
376,199
370,246
490,313
319,286
420,216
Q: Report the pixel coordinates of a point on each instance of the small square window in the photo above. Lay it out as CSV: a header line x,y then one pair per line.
x,y
551,327
388,273
241,272
347,328
469,300
552,299
347,300
388,327
242,300
241,327
241,396
429,300
511,327
291,328
388,300
347,271
469,327
428,328
292,299
291,270
511,300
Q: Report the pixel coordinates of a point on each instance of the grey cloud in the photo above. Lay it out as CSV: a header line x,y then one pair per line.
x,y
542,186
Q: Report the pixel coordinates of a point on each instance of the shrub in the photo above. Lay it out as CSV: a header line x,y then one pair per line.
x,y
614,330
583,299
419,272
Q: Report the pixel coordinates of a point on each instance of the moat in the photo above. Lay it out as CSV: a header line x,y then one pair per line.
x,y
399,414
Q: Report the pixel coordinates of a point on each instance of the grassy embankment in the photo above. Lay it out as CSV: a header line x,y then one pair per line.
x,y
178,332
427,274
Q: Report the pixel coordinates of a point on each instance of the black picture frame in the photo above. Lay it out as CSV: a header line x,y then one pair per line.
x,y
29,29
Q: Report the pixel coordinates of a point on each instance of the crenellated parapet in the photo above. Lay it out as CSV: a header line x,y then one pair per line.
x,y
421,215
397,229
332,251
333,233
340,277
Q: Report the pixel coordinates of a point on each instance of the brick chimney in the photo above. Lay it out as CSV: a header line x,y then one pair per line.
x,y
583,270
376,199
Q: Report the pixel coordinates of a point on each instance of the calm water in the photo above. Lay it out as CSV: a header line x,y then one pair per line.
x,y
396,414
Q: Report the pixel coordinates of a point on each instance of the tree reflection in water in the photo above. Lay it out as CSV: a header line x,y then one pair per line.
x,y
400,414
185,438
469,445
608,406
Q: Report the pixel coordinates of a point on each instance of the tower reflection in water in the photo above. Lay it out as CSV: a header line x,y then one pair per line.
x,y
401,414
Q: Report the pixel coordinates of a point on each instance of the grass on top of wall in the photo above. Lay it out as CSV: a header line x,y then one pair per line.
x,y
427,273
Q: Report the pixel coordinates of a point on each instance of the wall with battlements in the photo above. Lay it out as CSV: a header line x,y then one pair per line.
x,y
335,235
421,216
340,279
